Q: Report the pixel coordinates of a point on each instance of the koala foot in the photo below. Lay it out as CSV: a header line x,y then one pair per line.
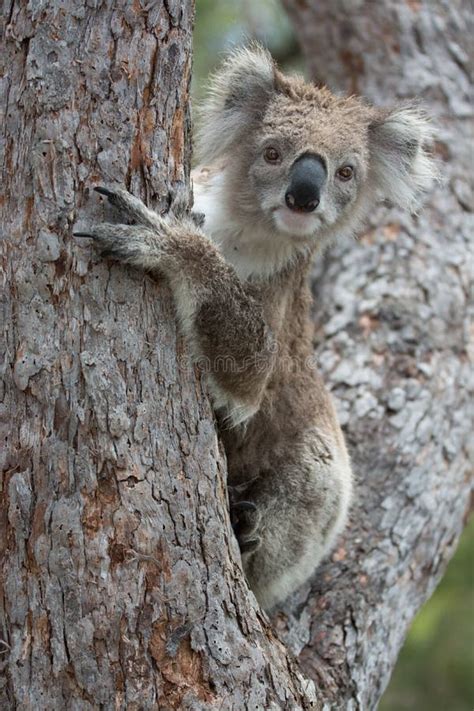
x,y
245,519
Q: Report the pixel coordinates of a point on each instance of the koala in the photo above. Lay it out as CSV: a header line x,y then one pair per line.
x,y
286,167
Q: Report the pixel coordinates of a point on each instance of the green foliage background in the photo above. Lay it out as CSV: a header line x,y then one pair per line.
x,y
435,671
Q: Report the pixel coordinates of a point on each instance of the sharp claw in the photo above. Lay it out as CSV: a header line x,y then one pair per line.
x,y
250,545
103,191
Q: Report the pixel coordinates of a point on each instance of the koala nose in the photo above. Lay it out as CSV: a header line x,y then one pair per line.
x,y
307,177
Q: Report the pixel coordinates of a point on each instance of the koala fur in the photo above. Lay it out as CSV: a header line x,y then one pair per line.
x,y
242,297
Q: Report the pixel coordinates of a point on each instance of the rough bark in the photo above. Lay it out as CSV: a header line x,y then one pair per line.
x,y
120,584
393,342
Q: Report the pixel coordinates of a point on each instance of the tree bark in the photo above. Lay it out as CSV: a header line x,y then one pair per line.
x,y
121,586
120,580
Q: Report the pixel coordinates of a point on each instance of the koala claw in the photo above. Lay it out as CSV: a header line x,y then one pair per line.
x,y
104,191
250,545
131,206
245,519
120,199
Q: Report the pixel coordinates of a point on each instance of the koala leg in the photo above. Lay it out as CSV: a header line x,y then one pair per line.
x,y
288,523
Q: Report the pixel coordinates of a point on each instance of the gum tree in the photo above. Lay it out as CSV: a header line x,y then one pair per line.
x,y
120,579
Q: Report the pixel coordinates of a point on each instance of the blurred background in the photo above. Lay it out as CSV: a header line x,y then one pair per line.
x,y
435,670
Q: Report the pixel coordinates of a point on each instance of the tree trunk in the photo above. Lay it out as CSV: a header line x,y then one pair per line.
x,y
120,580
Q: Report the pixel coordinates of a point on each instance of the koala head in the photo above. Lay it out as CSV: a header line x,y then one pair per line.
x,y
304,161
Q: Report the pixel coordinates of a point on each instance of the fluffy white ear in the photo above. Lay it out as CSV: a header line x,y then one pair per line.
x,y
401,166
238,94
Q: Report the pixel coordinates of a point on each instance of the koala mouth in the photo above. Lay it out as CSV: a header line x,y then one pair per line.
x,y
297,224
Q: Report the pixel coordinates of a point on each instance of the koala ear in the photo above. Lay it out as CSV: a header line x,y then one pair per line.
x,y
401,166
238,95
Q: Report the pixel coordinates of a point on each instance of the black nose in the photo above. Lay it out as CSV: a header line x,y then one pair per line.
x,y
307,177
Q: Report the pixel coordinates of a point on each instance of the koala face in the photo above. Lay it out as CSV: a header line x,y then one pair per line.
x,y
308,166
303,162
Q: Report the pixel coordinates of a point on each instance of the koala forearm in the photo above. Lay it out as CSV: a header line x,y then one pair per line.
x,y
207,294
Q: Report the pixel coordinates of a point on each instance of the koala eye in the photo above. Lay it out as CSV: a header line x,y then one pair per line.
x,y
271,155
345,173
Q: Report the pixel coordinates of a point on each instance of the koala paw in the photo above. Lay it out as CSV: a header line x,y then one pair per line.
x,y
245,519
142,244
127,243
